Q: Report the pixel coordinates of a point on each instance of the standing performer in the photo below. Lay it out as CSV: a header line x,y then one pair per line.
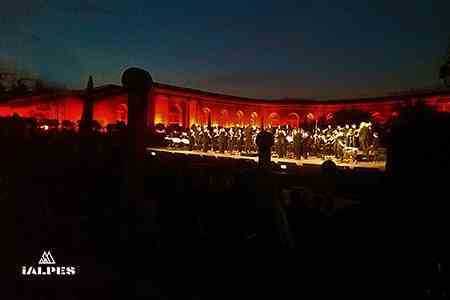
x,y
281,143
339,146
205,140
355,136
240,140
364,137
215,139
297,144
255,134
198,138
191,139
248,138
304,149
221,140
374,145
231,140
349,136
290,142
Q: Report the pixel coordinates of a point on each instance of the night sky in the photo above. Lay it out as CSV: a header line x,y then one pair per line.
x,y
270,49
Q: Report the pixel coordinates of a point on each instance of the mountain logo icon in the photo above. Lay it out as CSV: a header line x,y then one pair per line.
x,y
46,259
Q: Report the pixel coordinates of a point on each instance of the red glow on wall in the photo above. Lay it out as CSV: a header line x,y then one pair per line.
x,y
185,107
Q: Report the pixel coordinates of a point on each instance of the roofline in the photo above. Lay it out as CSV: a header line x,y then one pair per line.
x,y
389,97
118,89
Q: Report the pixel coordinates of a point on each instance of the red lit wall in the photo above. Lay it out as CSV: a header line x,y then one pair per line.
x,y
111,110
174,105
64,107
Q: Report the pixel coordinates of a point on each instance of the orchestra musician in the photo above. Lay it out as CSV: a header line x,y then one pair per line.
x,y
349,136
241,139
191,140
355,136
231,140
364,137
198,138
339,142
281,143
221,140
340,145
248,138
206,138
215,139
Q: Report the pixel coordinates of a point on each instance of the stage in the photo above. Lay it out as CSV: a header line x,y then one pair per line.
x,y
377,165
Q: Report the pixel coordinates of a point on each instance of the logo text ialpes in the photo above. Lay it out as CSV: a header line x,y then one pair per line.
x,y
50,269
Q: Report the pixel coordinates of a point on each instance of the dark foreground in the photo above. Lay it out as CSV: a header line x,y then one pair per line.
x,y
216,234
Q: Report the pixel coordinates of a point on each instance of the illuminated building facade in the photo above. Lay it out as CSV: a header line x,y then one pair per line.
x,y
184,106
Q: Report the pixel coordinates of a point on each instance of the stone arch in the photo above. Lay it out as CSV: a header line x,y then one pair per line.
x,y
175,114
293,120
273,119
254,119
223,118
240,117
122,112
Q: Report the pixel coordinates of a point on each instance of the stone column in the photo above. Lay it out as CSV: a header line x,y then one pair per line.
x,y
186,116
138,83
193,112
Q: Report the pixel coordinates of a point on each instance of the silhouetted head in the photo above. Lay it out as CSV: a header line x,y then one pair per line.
x,y
328,168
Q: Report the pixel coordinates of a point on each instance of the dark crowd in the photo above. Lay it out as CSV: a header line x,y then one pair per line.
x,y
223,228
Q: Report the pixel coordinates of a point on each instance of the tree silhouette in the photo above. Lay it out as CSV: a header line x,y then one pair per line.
x,y
418,148
2,89
21,88
415,213
444,71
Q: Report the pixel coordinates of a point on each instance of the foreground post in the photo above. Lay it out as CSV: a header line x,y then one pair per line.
x,y
138,83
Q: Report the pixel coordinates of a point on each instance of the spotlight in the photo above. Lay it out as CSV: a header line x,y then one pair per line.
x,y
153,153
284,167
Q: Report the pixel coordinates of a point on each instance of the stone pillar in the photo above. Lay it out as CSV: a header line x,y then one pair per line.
x,y
193,113
186,116
138,83
165,110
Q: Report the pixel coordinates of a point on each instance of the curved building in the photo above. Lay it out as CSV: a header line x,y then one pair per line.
x,y
184,106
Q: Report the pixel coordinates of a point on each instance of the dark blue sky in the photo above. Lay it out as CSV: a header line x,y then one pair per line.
x,y
271,49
